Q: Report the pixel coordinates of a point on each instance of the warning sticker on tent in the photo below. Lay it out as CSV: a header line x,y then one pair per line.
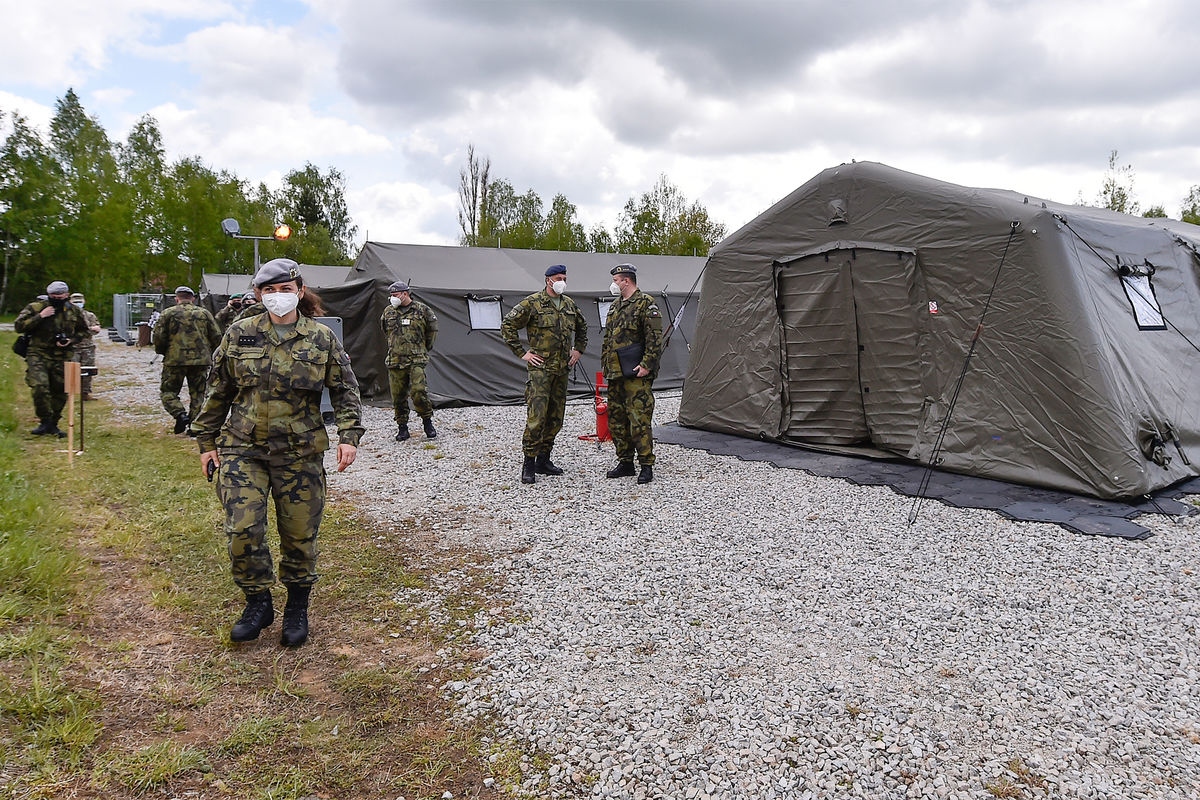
x,y
933,309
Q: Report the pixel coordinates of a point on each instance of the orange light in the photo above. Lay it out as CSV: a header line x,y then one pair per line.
x,y
283,232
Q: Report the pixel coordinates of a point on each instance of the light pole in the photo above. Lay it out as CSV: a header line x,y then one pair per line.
x,y
234,231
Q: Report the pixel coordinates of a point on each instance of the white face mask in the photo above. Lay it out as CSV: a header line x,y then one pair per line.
x,y
559,287
79,304
395,301
613,289
281,303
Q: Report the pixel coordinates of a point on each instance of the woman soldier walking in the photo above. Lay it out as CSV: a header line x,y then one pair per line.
x,y
266,377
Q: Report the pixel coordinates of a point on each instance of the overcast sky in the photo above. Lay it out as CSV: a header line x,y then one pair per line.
x,y
737,103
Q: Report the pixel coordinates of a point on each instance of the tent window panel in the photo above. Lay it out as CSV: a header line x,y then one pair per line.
x,y
603,306
484,313
1146,311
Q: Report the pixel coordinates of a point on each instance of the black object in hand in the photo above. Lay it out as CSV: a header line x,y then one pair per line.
x,y
210,469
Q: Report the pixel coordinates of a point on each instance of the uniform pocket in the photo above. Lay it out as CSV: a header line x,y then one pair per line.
x,y
308,368
248,366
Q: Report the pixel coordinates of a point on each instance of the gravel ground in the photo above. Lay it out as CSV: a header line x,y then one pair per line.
x,y
733,630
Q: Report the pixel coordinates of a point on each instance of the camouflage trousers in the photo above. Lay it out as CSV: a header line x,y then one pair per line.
x,y
546,401
631,417
86,355
298,489
405,381
44,377
172,382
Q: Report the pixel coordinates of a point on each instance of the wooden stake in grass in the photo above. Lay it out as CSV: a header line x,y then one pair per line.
x,y
72,383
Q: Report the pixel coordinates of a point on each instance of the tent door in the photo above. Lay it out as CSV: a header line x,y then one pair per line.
x,y
851,347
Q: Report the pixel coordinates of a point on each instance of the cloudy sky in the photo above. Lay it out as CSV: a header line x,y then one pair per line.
x,y
736,102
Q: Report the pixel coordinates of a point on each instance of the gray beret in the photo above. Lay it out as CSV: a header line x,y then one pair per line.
x,y
184,290
557,269
57,287
277,270
398,286
623,269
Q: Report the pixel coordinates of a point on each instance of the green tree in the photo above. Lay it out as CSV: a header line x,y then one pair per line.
x,y
600,240
314,204
473,186
663,222
1158,212
1116,193
1190,212
142,162
561,230
30,206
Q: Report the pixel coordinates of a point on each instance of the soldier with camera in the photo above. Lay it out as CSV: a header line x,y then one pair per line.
x,y
54,328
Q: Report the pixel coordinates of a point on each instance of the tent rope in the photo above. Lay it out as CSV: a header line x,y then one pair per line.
x,y
935,456
1136,289
678,318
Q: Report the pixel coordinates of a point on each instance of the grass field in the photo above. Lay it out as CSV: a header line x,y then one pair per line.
x,y
117,677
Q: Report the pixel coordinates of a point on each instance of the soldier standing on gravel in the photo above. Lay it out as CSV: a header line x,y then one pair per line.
x,y
629,356
54,327
557,334
184,336
85,350
266,377
410,328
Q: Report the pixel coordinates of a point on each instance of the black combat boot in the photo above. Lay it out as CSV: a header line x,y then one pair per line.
x,y
646,475
527,470
295,617
259,614
181,423
402,433
623,469
544,466
430,431
42,429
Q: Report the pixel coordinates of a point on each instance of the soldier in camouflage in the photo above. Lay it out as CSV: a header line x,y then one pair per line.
x,y
54,327
85,351
261,430
410,328
629,356
557,335
184,335
226,315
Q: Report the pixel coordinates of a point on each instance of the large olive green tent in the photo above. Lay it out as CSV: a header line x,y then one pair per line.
x,y
842,317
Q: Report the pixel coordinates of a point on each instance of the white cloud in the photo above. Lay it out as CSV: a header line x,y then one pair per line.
x,y
403,212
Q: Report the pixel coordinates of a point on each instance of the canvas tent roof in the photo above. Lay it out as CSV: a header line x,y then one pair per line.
x,y
473,365
842,316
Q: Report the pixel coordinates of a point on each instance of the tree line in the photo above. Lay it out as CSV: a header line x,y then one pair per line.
x,y
1117,194
112,217
660,221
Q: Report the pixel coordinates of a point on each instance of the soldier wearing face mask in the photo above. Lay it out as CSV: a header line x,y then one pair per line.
x,y
54,327
85,351
557,335
410,328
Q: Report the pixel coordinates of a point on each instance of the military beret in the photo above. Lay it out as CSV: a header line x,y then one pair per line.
x,y
398,286
277,270
623,269
557,269
184,290
235,296
57,287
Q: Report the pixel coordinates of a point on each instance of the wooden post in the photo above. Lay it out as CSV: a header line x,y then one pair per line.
x,y
72,382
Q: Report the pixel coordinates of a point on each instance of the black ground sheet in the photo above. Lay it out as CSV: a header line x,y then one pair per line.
x,y
1017,502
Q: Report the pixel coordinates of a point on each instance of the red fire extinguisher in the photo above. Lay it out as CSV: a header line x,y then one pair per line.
x,y
601,434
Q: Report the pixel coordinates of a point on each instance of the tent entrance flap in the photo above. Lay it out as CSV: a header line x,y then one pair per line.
x,y
851,346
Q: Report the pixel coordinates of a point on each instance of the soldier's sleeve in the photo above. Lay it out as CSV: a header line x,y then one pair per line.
x,y
343,395
27,320
652,336
514,321
212,328
162,334
80,330
581,330
218,396
431,328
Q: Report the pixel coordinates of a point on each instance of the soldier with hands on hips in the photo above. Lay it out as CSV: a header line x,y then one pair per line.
x,y
261,430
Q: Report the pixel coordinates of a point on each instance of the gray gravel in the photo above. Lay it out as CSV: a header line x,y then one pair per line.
x,y
733,630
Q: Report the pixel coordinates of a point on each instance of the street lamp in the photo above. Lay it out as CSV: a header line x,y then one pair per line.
x,y
234,231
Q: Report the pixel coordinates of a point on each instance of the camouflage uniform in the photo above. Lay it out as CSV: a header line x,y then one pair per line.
x,y
252,310
410,332
185,336
552,333
630,400
273,441
226,316
44,360
85,351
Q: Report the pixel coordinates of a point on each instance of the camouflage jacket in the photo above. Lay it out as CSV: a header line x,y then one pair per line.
x,y
43,332
270,390
252,310
552,332
226,316
185,336
633,321
410,332
90,320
